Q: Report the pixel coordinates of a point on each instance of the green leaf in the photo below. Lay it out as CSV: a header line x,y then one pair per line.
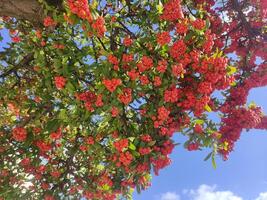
x,y
199,121
132,147
231,70
131,139
100,167
136,154
52,125
62,114
189,36
105,187
70,87
252,105
160,7
213,162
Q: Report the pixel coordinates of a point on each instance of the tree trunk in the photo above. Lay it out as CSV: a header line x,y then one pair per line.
x,y
30,10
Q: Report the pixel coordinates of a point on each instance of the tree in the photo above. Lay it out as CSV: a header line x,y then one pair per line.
x,y
93,91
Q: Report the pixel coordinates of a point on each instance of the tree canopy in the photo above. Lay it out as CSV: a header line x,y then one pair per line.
x,y
92,92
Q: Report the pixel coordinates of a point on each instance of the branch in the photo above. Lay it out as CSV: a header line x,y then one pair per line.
x,y
25,61
238,9
34,115
132,35
102,44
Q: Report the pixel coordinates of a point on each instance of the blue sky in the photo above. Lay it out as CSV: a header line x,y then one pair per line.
x,y
242,177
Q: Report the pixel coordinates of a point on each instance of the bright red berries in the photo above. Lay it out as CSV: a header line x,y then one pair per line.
x,y
80,8
162,66
16,39
89,140
113,59
172,95
144,80
178,49
145,64
127,41
25,162
19,134
121,145
146,138
126,158
182,27
55,174
112,84
172,11
43,146
126,96
163,38
133,74
160,163
60,82
138,95
198,129
144,150
48,21
114,111
163,113
198,24
157,81
99,100
178,70
193,146
49,197
56,135
99,26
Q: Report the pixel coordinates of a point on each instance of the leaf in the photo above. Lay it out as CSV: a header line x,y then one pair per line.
x,y
189,36
208,156
132,147
160,7
70,87
252,105
52,125
105,187
41,52
100,167
213,162
136,154
13,118
131,139
199,121
231,70
208,108
152,143
62,114
138,189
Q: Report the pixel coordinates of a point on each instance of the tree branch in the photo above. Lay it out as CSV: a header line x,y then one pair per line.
x,y
30,10
25,61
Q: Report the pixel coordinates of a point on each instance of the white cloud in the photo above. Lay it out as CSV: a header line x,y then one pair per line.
x,y
262,196
206,192
170,196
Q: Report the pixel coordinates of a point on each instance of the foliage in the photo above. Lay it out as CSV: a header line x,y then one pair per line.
x,y
91,100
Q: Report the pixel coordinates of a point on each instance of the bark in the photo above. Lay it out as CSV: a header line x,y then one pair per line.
x,y
30,10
